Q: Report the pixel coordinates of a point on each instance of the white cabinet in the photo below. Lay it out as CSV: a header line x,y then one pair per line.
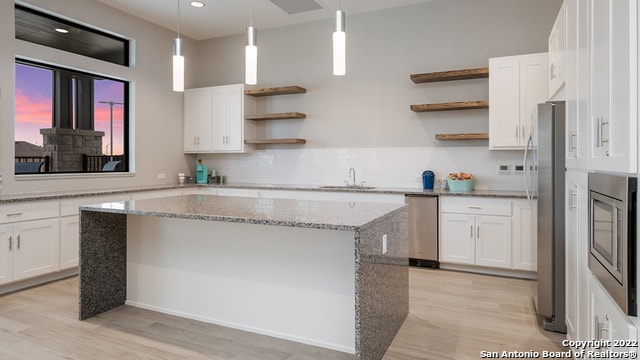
x,y
613,78
577,252
214,119
517,84
577,84
557,41
29,249
607,321
197,120
525,236
475,231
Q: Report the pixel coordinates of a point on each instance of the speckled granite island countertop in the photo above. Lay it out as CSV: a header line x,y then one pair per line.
x,y
327,273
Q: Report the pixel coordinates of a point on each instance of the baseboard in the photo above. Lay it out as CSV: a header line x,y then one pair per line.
x,y
40,280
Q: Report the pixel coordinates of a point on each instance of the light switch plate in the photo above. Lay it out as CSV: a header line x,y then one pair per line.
x,y
518,169
504,169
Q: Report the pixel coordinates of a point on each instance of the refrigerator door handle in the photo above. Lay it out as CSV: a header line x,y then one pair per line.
x,y
526,166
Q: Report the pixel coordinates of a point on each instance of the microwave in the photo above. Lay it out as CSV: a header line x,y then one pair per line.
x,y
612,236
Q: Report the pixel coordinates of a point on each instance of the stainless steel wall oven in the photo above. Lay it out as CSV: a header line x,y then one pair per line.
x,y
612,236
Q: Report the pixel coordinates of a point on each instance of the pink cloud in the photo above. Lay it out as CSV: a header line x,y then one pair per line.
x,y
36,110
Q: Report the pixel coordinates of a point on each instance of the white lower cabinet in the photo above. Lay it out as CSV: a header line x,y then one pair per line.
x,y
487,232
69,241
607,321
29,249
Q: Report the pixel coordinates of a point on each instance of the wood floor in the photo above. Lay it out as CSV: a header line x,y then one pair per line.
x,y
452,316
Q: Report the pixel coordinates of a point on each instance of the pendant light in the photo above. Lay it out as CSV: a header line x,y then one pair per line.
x,y
251,51
339,44
178,60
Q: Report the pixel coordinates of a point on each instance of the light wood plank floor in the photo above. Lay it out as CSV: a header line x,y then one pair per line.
x,y
453,316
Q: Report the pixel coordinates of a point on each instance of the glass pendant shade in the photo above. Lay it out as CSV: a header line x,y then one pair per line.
x,y
251,57
339,45
178,66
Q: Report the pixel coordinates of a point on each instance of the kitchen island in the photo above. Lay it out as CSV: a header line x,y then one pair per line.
x,y
331,274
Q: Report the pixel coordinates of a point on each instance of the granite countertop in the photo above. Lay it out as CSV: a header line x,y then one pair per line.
x,y
332,215
55,195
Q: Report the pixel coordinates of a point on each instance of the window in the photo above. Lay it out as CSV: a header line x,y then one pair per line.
x,y
52,31
68,121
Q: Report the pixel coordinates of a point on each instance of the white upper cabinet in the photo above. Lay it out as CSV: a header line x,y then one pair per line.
x,y
197,120
577,84
214,119
613,56
557,44
517,84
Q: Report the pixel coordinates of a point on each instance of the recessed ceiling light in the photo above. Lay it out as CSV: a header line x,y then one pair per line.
x,y
61,30
197,4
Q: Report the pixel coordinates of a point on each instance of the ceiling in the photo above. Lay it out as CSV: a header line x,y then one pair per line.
x,y
229,17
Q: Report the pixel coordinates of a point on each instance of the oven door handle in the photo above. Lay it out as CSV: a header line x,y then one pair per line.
x,y
616,242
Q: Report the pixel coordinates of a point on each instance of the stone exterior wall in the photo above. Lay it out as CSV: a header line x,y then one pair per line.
x,y
65,147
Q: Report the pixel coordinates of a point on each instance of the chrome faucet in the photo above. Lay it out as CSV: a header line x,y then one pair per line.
x,y
352,176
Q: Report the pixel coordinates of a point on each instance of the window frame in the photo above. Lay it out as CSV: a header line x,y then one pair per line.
x,y
69,102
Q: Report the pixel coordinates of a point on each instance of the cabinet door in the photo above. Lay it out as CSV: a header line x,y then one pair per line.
x,y
69,241
525,236
197,120
6,253
457,244
219,116
534,90
577,85
557,55
613,55
608,322
235,120
504,113
36,248
493,241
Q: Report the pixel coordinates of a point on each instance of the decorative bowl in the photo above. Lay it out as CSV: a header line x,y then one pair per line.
x,y
461,185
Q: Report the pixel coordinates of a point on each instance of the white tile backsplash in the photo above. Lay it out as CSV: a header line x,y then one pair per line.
x,y
381,167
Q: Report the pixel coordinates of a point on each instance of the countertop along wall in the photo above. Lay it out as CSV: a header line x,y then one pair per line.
x,y
156,111
363,119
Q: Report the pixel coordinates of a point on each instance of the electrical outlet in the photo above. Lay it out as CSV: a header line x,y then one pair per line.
x,y
162,176
384,244
504,169
518,169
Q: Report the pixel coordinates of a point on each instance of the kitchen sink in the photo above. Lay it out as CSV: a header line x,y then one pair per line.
x,y
347,187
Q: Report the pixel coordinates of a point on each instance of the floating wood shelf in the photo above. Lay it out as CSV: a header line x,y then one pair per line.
x,y
478,73
285,115
459,105
275,141
283,90
463,136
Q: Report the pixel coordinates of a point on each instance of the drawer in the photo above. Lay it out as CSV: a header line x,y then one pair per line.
x,y
29,210
70,206
476,206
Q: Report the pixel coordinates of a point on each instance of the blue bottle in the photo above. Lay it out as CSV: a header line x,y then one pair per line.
x,y
428,177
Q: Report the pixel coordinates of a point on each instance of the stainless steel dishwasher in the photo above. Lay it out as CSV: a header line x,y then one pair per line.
x,y
423,230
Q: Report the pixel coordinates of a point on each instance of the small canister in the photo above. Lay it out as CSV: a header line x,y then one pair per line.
x,y
428,178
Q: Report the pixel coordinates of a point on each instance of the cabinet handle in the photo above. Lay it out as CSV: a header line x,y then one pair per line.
x,y
10,243
523,132
475,207
517,133
471,230
18,244
573,199
15,214
478,231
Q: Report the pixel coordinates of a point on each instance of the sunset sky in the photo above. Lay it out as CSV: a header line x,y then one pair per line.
x,y
33,100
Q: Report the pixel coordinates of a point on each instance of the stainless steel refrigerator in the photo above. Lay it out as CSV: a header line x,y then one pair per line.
x,y
544,180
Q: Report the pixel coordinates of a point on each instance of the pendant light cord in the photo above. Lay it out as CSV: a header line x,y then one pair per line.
x,y
250,12
178,19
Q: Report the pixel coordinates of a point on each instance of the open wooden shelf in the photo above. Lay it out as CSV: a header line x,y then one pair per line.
x,y
275,141
463,136
459,105
478,73
274,116
282,90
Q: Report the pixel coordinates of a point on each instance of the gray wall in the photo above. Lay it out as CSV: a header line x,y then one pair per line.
x,y
369,107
